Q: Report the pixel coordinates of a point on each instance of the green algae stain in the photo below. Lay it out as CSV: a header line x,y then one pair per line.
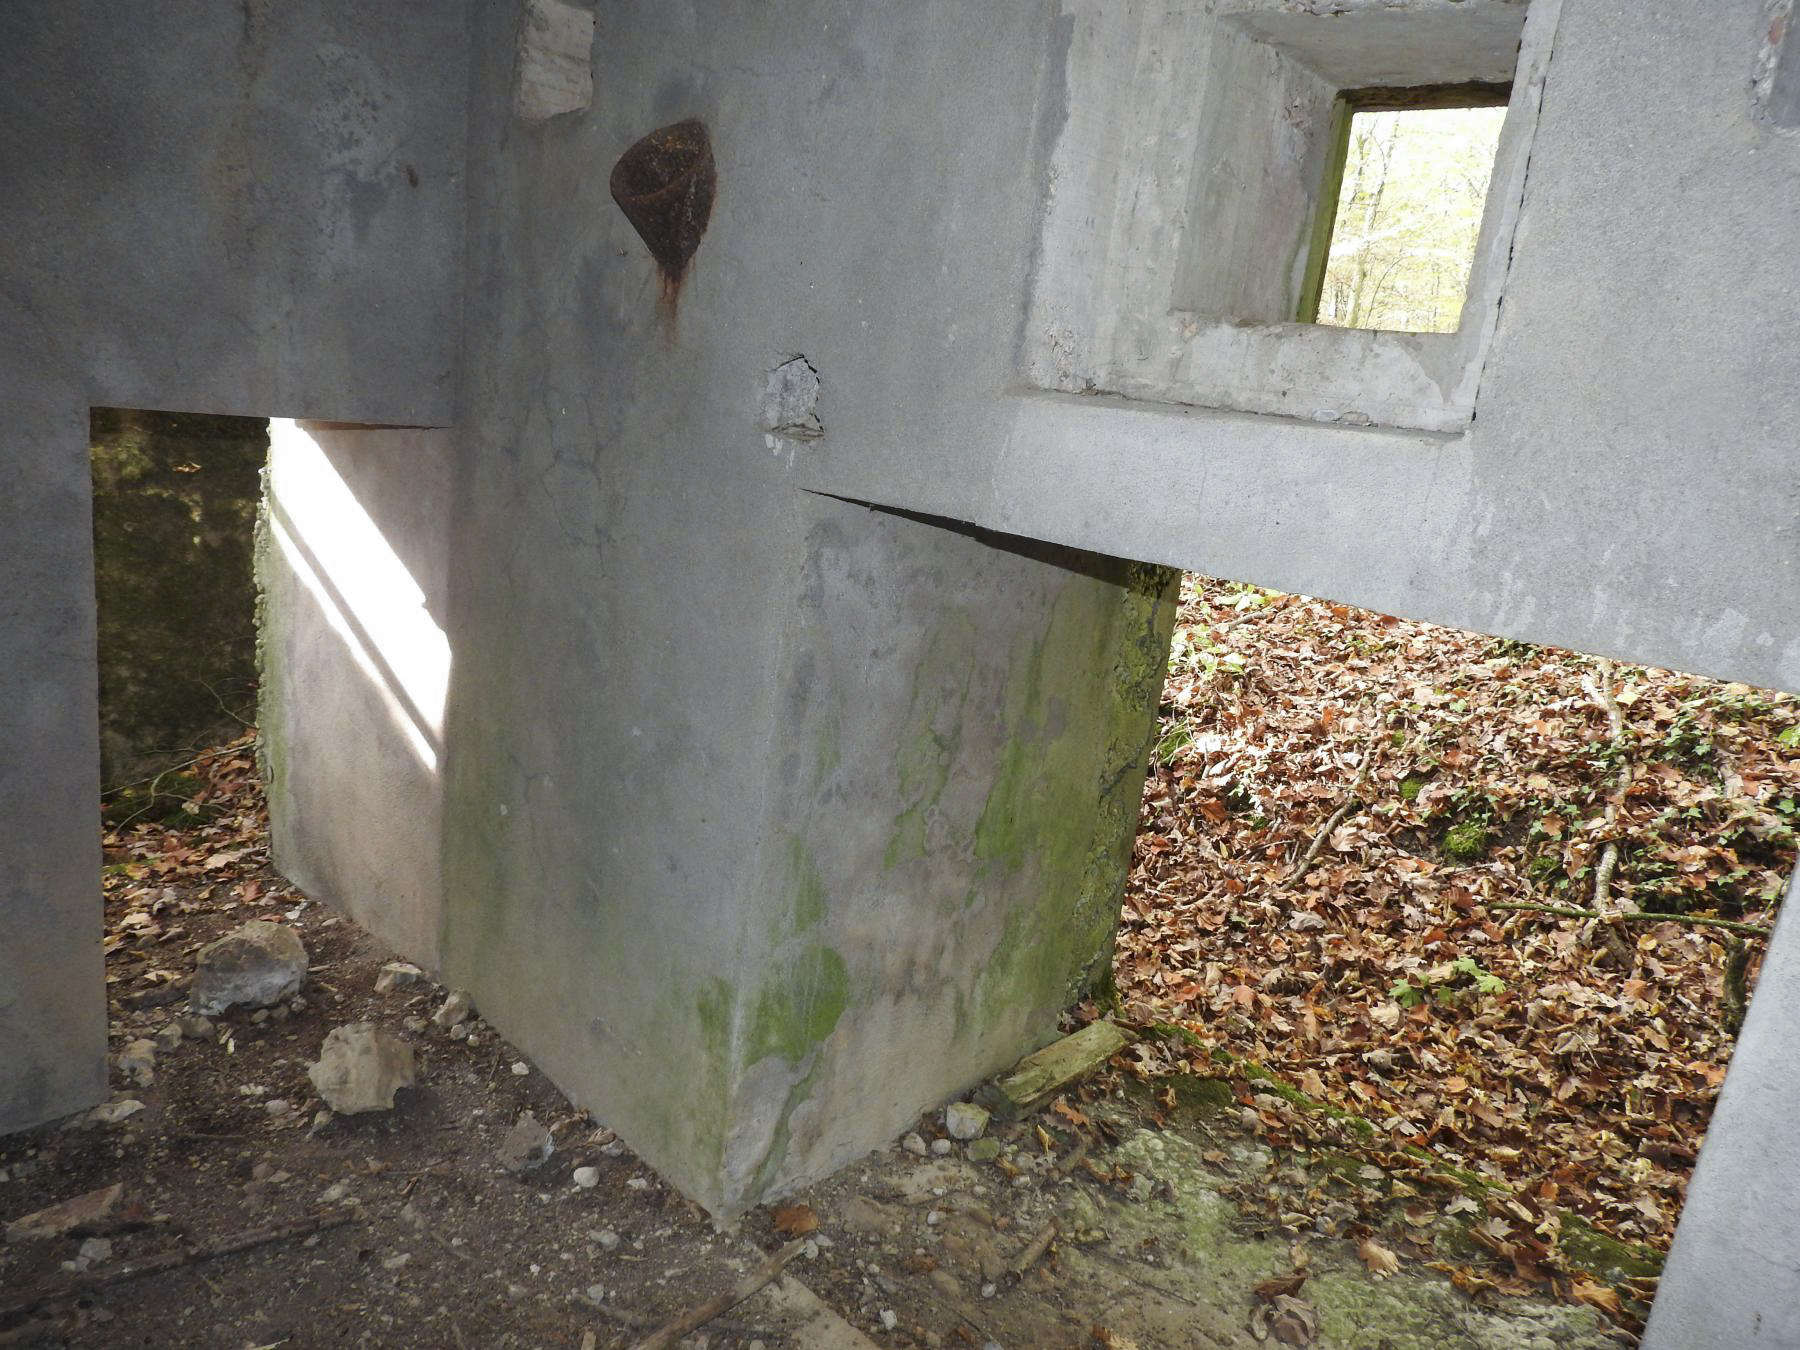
x,y
1080,709
808,902
799,1006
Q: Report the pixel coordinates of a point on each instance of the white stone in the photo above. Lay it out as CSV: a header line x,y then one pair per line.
x,y
397,975
255,965
360,1068
111,1113
915,1143
587,1177
456,1008
965,1120
137,1063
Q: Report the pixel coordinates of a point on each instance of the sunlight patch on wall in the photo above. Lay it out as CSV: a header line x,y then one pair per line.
x,y
362,587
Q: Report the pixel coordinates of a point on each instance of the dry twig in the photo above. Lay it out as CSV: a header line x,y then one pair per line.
x,y
1638,916
700,1314
174,1257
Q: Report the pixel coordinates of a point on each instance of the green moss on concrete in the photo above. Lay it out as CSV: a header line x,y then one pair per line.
x,y
1079,710
798,1006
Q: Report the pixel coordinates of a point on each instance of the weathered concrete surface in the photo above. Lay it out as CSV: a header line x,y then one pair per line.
x,y
354,564
52,1000
1627,485
1733,1275
247,209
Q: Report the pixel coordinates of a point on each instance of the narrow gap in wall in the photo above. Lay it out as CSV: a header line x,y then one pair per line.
x,y
175,505
1361,904
1406,182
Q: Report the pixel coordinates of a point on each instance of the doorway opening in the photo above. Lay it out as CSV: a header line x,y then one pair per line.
x,y
175,507
1476,917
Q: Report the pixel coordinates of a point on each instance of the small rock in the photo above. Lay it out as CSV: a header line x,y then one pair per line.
x,y
984,1150
137,1063
915,1143
965,1120
941,1147
168,1037
933,1217
596,1293
456,1008
278,1107
111,1113
256,964
526,1144
587,1177
608,1240
197,1028
94,1250
889,1319
397,1261
321,1118
520,1068
334,1193
945,1283
988,1290
83,1211
360,1068
397,975
460,1032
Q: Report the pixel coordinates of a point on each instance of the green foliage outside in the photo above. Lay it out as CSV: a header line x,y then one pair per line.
x,y
175,500
1409,212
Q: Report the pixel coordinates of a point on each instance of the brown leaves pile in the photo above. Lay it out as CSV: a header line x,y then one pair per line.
x,y
1575,1069
212,854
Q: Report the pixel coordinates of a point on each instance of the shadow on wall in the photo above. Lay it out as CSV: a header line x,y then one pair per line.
x,y
352,561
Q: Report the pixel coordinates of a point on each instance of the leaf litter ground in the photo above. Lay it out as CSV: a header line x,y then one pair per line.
x,y
1339,805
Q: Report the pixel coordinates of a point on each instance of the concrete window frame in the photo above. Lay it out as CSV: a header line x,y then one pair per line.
x,y
1184,189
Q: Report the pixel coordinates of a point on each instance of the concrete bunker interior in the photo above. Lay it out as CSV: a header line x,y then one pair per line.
x,y
383,219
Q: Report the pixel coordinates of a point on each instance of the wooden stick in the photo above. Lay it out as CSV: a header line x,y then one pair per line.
x,y
1615,726
1351,803
699,1315
1639,916
1033,1252
179,1256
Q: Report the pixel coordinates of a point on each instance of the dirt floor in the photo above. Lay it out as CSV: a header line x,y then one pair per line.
x,y
1127,1213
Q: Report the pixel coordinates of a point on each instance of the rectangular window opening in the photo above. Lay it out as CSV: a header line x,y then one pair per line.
x,y
1401,207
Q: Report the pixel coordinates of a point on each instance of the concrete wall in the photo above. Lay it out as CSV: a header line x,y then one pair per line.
x,y
246,208
649,855
1627,486
1733,1275
353,563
